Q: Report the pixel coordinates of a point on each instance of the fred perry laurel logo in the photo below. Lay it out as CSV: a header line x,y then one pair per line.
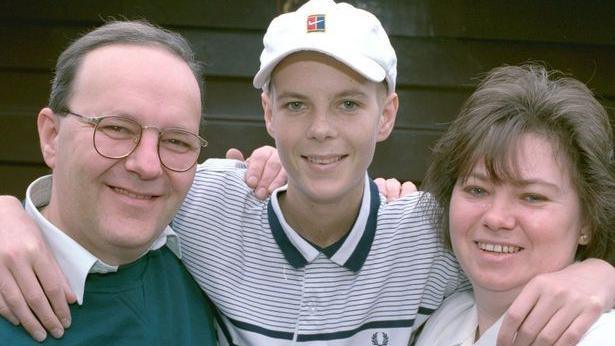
x,y
316,23
380,339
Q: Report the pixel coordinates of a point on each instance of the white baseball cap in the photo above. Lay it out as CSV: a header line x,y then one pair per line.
x,y
352,36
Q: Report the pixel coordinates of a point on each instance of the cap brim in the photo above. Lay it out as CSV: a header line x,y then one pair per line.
x,y
362,65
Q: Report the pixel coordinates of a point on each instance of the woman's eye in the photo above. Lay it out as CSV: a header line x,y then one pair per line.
x,y
475,191
534,198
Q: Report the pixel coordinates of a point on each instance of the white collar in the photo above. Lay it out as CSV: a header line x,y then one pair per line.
x,y
75,261
307,250
490,336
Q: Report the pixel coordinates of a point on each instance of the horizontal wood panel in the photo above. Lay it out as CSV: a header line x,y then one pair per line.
x,y
19,139
14,179
245,14
430,63
236,99
454,63
544,21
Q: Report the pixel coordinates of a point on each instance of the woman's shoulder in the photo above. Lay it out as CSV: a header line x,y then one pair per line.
x,y
602,332
453,322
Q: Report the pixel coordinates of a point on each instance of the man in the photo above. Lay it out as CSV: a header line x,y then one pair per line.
x,y
121,137
325,261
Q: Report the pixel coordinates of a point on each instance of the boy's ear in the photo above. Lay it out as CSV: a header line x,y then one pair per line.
x,y
387,120
266,103
48,129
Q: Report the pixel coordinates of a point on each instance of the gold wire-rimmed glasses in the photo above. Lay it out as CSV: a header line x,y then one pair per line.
x,y
116,137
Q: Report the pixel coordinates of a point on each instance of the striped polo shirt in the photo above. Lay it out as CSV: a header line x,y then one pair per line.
x,y
272,287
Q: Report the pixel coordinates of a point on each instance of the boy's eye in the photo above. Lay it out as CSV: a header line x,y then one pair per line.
x,y
294,105
349,105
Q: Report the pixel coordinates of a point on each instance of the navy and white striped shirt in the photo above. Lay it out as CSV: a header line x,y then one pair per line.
x,y
272,287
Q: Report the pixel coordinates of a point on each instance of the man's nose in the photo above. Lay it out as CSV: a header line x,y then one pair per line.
x,y
144,160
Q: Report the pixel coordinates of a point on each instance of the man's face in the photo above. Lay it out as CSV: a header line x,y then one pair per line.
x,y
115,208
326,119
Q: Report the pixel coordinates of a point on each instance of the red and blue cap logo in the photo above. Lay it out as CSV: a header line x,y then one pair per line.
x,y
316,23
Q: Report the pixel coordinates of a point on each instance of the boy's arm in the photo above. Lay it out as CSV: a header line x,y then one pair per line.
x,y
25,260
558,308
392,189
265,172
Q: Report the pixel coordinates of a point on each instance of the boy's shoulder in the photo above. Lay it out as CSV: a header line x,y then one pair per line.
x,y
220,177
216,171
221,165
418,201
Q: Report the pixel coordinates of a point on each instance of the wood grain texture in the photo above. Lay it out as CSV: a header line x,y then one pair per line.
x,y
442,47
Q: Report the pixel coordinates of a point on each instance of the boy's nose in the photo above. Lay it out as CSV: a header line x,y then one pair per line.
x,y
322,128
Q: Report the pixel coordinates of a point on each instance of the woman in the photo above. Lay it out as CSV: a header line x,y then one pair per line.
x,y
525,177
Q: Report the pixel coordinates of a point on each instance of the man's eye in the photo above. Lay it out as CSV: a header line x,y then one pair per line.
x,y
116,131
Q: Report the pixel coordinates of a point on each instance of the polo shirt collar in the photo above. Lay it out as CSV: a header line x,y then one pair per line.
x,y
351,254
74,260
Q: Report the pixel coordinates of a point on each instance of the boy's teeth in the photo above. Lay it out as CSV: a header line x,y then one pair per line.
x,y
323,161
498,248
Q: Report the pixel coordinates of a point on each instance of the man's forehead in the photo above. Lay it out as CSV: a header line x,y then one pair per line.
x,y
126,79
133,61
128,52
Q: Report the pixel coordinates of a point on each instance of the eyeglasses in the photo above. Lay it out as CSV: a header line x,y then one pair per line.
x,y
116,137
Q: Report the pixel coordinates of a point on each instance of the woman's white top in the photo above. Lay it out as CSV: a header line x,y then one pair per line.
x,y
455,323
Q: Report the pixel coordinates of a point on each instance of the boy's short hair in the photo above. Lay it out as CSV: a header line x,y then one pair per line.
x,y
350,35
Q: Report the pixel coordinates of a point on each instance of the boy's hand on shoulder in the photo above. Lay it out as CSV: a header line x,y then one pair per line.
x,y
265,172
393,190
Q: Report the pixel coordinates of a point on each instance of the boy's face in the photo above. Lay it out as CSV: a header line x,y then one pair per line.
x,y
326,120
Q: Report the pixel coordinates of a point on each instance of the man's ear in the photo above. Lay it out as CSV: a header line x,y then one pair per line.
x,y
387,120
266,103
48,129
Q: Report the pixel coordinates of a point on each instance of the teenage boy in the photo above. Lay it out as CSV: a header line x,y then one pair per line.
x,y
325,260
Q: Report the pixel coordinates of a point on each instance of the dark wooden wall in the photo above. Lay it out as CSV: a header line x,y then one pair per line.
x,y
441,46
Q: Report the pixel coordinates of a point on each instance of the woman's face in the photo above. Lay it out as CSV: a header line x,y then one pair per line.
x,y
505,234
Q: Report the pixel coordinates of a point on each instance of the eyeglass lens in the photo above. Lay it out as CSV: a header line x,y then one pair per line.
x,y
117,137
